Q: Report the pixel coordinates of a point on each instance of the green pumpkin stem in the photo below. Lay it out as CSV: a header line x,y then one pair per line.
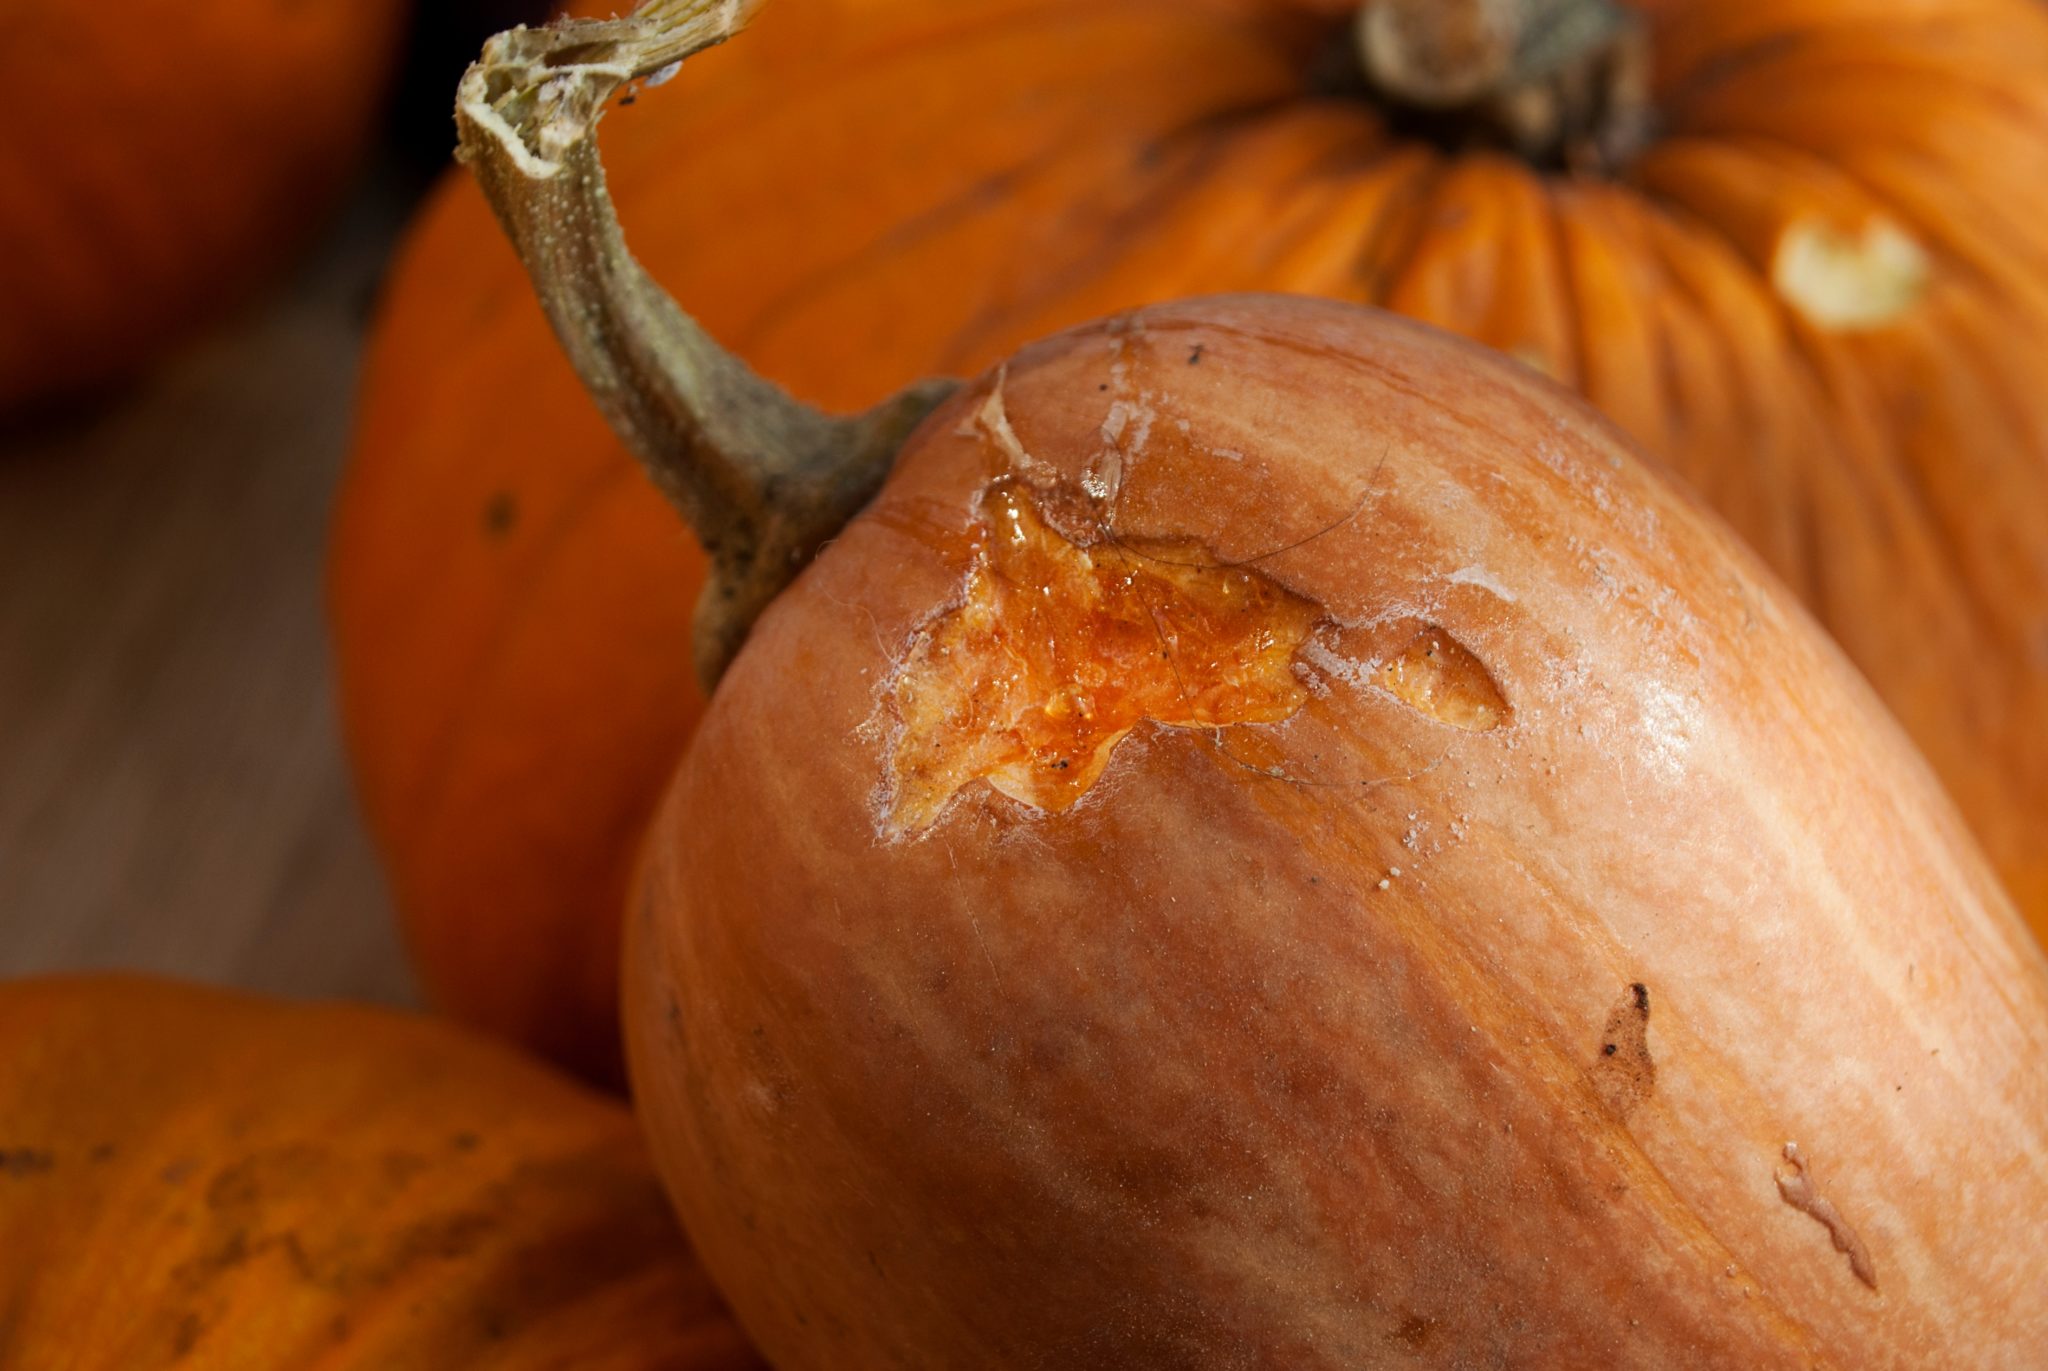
x,y
763,479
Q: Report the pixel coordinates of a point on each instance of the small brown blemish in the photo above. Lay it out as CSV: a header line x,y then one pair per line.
x,y
1624,1072
501,512
1059,649
25,1161
1195,357
1438,675
1415,1330
185,1337
401,1167
1797,1189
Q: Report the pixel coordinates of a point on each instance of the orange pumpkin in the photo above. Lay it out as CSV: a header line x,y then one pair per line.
x,y
206,1180
1819,294
161,156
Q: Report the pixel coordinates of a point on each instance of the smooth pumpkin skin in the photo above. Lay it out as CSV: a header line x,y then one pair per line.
x,y
859,192
212,1181
161,157
1283,1047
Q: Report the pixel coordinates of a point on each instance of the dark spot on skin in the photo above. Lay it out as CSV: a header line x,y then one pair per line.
x,y
232,1188
104,1152
186,1337
197,1272
1415,1330
465,1141
1625,1074
25,1161
501,511
401,1167
1195,357
177,1171
629,98
1103,386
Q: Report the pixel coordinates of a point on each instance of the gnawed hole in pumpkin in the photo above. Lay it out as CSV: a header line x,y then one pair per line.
x,y
1058,650
1437,675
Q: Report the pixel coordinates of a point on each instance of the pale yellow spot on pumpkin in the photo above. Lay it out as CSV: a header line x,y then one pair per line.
x,y
1847,282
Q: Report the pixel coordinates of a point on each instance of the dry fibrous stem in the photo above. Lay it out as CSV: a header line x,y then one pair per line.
x,y
763,479
1565,78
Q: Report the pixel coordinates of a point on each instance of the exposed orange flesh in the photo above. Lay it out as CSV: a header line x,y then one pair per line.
x,y
1438,675
1059,650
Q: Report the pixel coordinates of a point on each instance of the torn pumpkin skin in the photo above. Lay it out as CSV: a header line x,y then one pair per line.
x,y
1060,648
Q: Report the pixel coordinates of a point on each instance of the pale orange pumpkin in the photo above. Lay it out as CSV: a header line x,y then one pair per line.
x,y
1259,834
210,1181
1389,884
162,156
1818,294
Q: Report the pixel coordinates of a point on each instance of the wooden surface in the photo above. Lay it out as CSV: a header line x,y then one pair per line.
x,y
172,793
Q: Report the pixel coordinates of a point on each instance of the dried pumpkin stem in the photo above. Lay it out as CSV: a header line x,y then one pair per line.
x,y
763,479
1558,77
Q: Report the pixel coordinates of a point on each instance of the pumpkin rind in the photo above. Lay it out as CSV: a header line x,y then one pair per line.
x,y
1062,160
207,1180
161,156
1661,1013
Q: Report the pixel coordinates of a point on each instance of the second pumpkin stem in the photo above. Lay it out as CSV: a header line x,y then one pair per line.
x,y
762,479
1559,78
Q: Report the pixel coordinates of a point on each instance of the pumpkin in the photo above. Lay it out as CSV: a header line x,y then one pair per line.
x,y
162,156
1259,834
1391,885
209,1180
1817,293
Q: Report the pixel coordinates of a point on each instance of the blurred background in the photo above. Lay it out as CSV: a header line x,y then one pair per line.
x,y
173,796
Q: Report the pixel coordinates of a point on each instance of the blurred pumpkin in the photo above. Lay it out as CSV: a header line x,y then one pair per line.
x,y
1807,274
161,157
195,1178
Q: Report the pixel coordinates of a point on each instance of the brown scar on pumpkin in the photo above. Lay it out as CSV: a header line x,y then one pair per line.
x,y
1797,1189
1624,1073
501,512
25,1161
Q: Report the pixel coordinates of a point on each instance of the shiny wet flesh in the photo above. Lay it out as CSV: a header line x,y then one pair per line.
x,y
1059,649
